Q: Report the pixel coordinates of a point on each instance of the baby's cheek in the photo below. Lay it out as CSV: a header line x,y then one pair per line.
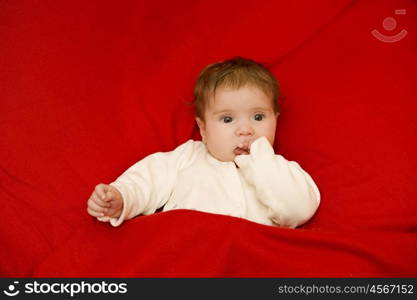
x,y
270,135
271,140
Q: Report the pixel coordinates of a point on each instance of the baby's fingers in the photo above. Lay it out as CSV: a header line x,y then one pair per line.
x,y
94,209
94,213
100,202
114,212
101,190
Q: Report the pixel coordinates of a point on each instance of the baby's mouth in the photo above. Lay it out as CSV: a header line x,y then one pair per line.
x,y
245,150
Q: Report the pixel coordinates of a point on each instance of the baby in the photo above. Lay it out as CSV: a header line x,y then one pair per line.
x,y
232,171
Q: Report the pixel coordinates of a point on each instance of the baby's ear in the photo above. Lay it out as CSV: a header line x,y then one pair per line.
x,y
202,127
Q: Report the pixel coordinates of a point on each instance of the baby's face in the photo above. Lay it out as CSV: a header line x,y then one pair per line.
x,y
235,118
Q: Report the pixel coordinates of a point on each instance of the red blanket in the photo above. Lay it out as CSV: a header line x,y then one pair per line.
x,y
88,89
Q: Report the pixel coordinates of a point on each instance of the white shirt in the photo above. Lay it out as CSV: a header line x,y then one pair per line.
x,y
266,188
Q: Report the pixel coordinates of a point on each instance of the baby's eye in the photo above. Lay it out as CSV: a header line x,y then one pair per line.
x,y
227,119
259,117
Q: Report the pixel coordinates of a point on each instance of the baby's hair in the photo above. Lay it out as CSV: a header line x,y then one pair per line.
x,y
233,73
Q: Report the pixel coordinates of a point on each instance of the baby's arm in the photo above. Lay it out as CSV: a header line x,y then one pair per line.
x,y
143,188
288,192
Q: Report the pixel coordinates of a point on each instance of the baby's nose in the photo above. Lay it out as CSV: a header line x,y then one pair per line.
x,y
245,130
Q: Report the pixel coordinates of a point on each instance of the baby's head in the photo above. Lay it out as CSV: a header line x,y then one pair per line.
x,y
236,102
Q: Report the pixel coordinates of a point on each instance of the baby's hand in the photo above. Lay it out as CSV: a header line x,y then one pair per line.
x,y
106,200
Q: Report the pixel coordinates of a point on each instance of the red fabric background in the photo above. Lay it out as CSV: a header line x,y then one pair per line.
x,y
88,88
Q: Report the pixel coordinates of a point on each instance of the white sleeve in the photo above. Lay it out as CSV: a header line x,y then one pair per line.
x,y
288,192
147,185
